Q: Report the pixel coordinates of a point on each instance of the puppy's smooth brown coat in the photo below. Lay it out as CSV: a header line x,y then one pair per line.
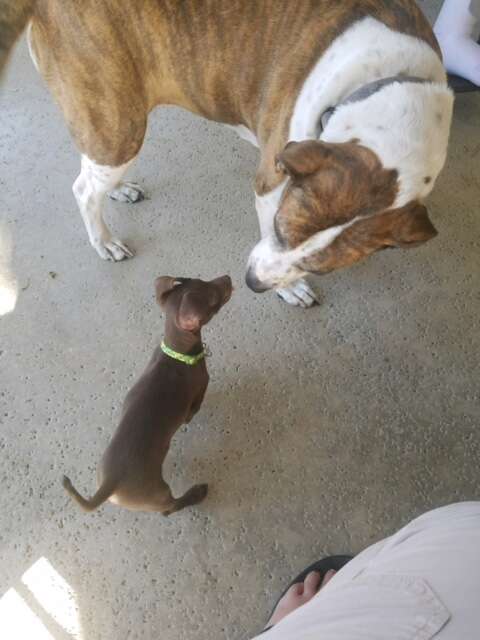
x,y
167,395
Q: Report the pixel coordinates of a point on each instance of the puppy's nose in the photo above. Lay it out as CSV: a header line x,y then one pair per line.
x,y
254,283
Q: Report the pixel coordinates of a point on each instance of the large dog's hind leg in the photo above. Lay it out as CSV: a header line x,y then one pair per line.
x,y
90,188
106,122
128,192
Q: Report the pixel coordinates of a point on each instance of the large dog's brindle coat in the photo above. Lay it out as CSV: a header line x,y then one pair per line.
x,y
244,62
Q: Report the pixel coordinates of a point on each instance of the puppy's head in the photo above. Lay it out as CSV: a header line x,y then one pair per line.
x,y
191,303
336,208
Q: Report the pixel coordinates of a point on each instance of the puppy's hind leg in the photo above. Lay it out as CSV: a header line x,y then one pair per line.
x,y
167,504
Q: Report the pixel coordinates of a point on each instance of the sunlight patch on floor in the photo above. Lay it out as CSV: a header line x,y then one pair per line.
x,y
42,607
8,285
8,297
17,620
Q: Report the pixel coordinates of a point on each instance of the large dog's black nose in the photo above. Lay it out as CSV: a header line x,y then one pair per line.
x,y
254,283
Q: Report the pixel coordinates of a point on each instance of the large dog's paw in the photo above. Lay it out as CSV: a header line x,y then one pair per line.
x,y
299,294
129,192
112,249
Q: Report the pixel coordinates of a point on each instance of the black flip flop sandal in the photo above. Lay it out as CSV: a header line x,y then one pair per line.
x,y
460,85
334,563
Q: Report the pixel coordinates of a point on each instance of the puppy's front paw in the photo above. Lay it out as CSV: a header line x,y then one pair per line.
x,y
299,294
128,192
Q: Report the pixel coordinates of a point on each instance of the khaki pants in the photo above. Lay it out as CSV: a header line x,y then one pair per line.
x,y
421,583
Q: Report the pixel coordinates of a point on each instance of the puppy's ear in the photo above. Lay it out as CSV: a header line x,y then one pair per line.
x,y
163,286
299,159
414,228
192,313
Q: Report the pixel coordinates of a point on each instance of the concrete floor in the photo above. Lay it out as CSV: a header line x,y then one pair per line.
x,y
322,430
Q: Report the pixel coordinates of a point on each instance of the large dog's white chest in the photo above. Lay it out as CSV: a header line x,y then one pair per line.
x,y
406,125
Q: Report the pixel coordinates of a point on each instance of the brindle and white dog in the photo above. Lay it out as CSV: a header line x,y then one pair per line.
x,y
347,102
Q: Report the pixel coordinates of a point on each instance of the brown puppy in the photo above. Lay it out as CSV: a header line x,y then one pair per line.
x,y
167,395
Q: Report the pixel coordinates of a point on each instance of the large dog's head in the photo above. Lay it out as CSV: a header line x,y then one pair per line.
x,y
335,209
340,202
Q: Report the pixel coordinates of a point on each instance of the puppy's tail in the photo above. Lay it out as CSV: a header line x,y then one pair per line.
x,y
103,494
14,15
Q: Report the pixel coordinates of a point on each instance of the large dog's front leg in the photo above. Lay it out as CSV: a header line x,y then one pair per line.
x,y
299,294
269,263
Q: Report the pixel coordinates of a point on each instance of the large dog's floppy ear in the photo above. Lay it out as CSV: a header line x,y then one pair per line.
x,y
302,158
163,286
414,227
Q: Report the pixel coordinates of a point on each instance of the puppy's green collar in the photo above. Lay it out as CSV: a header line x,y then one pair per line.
x,y
182,357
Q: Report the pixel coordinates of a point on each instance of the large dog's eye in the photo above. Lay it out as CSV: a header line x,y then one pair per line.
x,y
281,241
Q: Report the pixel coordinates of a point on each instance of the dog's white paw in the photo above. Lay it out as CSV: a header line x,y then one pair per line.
x,y
129,192
299,294
112,249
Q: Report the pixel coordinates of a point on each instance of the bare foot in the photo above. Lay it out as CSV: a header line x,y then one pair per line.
x,y
299,594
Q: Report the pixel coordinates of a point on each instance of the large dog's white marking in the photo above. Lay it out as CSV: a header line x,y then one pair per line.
x,y
89,189
407,125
